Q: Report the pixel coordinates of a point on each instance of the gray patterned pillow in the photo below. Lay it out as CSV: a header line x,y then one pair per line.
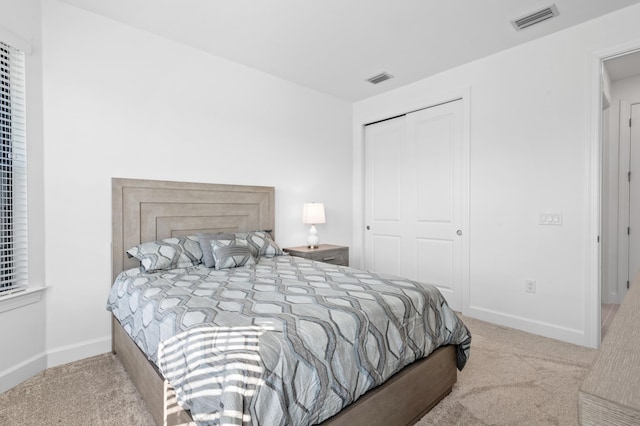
x,y
169,253
260,243
206,246
232,256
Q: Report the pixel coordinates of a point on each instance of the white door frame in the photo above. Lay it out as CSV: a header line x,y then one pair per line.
x,y
397,109
593,192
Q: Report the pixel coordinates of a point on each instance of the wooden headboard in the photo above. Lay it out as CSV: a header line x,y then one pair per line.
x,y
148,210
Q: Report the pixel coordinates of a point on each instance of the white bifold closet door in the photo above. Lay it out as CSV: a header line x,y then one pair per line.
x,y
413,198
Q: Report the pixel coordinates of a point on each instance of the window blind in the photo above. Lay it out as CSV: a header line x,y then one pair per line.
x,y
13,167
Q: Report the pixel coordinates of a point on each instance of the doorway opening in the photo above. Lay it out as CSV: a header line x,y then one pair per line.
x,y
620,181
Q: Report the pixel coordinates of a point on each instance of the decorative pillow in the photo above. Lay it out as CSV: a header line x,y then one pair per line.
x,y
232,256
206,246
260,243
170,253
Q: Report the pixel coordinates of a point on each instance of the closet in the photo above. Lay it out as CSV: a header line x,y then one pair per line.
x,y
414,198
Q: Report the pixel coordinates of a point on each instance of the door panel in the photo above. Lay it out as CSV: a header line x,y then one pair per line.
x,y
413,198
623,199
434,175
434,156
634,194
386,254
386,176
384,159
436,263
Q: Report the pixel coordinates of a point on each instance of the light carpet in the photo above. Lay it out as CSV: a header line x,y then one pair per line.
x,y
512,378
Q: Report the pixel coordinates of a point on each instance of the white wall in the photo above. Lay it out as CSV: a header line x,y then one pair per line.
x,y
529,153
627,89
120,102
22,334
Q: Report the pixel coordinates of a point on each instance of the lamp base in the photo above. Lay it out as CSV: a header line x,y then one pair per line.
x,y
312,238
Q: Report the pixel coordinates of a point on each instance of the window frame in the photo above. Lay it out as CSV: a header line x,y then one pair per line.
x,y
13,176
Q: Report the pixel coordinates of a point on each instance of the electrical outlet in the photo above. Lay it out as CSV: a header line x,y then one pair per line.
x,y
530,286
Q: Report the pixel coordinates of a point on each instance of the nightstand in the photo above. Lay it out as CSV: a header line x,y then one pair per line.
x,y
336,255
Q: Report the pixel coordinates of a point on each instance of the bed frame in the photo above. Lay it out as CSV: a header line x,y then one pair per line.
x,y
146,210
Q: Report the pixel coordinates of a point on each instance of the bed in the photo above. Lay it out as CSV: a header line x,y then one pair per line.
x,y
146,210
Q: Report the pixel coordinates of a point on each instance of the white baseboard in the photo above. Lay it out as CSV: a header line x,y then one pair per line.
x,y
553,331
17,374
78,351
23,371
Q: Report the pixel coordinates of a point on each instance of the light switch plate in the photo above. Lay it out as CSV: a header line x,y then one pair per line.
x,y
551,218
530,286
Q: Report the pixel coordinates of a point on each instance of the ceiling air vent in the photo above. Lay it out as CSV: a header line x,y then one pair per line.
x,y
535,17
379,78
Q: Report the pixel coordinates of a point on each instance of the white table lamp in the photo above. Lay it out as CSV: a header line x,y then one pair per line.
x,y
313,214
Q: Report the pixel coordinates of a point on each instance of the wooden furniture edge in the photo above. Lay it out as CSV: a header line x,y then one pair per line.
x,y
153,389
596,411
319,248
402,400
610,392
403,395
329,253
119,216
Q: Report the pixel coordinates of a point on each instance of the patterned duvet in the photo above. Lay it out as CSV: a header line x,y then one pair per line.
x,y
286,341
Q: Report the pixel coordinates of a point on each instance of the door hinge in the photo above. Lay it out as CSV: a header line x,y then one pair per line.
x,y
627,285
598,239
629,122
629,176
628,230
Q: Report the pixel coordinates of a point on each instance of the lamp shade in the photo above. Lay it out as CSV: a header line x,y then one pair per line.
x,y
313,213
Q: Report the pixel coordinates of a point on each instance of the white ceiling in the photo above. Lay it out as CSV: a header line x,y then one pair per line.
x,y
334,45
